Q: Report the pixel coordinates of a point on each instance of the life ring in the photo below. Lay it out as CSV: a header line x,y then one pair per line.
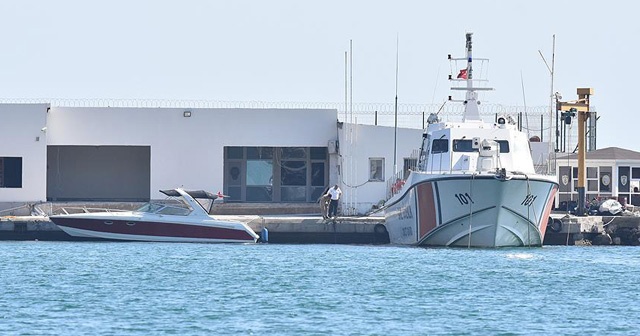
x,y
554,224
397,186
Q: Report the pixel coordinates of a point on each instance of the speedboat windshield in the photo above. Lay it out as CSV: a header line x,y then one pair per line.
x,y
165,209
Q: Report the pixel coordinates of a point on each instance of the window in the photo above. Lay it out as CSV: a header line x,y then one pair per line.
x,y
294,153
293,173
317,174
504,146
439,146
466,145
635,173
235,153
259,180
605,178
259,153
592,179
409,164
259,172
176,211
10,172
376,169
275,174
318,153
463,145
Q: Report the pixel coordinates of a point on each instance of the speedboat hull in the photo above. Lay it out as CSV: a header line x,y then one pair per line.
x,y
131,228
471,211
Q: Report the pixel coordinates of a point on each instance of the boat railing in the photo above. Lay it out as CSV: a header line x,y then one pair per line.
x,y
396,181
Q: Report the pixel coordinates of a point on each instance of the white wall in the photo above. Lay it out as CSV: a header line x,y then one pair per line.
x,y
358,143
20,125
188,152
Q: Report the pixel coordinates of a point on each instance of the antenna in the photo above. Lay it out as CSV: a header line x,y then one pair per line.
x,y
346,85
351,80
435,87
551,98
395,127
524,100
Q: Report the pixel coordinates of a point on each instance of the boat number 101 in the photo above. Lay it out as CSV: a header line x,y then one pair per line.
x,y
464,198
528,200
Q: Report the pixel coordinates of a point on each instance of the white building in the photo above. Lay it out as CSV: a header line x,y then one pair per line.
x,y
253,155
611,172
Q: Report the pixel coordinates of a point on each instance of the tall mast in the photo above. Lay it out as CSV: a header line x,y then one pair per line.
x,y
471,102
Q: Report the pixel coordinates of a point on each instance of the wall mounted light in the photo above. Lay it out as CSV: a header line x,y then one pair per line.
x,y
186,114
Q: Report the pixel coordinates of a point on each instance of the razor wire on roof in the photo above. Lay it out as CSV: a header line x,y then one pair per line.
x,y
359,107
412,115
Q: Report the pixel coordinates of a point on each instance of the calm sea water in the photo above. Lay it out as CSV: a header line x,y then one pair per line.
x,y
72,288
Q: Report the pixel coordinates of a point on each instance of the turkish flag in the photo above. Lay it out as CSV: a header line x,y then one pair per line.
x,y
462,74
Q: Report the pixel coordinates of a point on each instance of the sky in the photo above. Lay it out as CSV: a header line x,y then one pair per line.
x,y
294,51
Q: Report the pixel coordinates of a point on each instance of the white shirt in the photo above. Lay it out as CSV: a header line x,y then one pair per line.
x,y
334,193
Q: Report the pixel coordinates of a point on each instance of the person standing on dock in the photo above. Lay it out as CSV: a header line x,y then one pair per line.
x,y
324,201
335,194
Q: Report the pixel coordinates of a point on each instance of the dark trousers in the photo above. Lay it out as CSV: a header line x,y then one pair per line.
x,y
333,208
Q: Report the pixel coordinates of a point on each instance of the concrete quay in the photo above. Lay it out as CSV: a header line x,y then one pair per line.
x,y
312,229
294,229
593,230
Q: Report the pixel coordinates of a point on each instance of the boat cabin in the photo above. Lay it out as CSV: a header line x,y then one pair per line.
x,y
475,147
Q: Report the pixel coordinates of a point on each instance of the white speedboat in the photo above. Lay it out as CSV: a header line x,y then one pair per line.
x,y
182,220
475,184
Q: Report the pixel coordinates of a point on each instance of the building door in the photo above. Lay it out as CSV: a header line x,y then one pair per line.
x,y
98,173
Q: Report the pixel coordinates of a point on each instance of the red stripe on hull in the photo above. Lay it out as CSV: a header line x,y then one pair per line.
x,y
547,211
158,229
426,210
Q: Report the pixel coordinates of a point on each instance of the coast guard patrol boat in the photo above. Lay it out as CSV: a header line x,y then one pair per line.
x,y
475,184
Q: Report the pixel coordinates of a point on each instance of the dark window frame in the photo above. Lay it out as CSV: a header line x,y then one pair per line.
x,y
313,172
466,146
11,171
439,146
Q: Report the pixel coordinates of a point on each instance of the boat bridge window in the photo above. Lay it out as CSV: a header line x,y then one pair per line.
x,y
440,146
463,145
466,145
504,146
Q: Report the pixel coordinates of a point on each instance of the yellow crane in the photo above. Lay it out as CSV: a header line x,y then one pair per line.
x,y
569,110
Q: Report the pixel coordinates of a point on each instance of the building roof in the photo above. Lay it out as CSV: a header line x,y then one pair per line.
x,y
609,153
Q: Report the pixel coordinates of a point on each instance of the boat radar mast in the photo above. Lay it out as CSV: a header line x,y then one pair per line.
x,y
471,102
